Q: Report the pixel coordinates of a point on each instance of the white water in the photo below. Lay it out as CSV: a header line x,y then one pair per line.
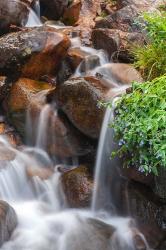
x,y
44,220
102,194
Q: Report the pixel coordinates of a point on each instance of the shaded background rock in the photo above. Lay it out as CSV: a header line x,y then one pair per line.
x,y
53,9
12,12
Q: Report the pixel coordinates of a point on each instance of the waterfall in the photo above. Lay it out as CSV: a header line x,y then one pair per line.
x,y
101,199
31,183
36,8
41,138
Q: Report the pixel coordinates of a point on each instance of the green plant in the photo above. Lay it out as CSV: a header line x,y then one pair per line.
x,y
140,126
150,59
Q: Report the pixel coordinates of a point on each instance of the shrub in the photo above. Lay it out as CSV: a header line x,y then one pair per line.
x,y
151,58
140,125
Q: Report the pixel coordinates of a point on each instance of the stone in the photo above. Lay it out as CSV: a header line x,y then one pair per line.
x,y
79,99
8,221
21,52
159,186
12,12
116,43
77,184
23,93
72,13
148,211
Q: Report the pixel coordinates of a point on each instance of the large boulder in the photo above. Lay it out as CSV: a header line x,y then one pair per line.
x,y
79,99
8,221
32,53
77,184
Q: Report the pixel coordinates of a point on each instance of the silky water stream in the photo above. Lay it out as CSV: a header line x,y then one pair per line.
x,y
45,221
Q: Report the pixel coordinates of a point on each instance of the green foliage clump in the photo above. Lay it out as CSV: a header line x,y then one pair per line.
x,y
151,58
140,126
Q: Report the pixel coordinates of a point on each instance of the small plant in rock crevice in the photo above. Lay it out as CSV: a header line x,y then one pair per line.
x,y
140,126
151,58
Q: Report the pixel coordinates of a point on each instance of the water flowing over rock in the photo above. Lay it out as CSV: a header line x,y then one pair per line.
x,y
60,137
32,53
78,185
8,221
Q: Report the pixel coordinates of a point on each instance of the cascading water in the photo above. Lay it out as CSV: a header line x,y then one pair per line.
x,y
31,183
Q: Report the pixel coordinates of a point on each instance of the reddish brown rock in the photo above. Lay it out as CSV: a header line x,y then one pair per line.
x,y
32,53
77,185
72,13
90,9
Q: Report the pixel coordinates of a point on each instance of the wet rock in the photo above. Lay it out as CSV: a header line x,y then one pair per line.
x,y
90,9
148,210
134,174
79,99
116,43
143,5
21,52
159,187
72,13
120,73
12,12
42,173
123,19
90,62
67,140
90,234
53,9
10,134
6,154
68,66
4,88
78,185
76,56
8,221
62,138
22,93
